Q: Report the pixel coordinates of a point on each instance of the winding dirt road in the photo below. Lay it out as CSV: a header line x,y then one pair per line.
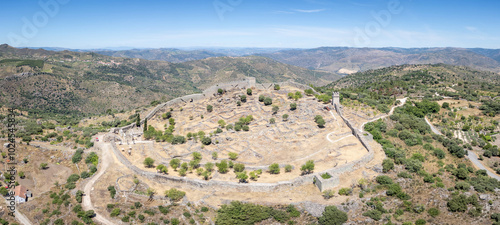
x,y
471,155
106,159
402,100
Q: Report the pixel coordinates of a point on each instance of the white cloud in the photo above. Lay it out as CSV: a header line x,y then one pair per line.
x,y
309,10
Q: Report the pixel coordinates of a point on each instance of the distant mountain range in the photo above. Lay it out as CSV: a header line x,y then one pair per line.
x,y
339,60
343,60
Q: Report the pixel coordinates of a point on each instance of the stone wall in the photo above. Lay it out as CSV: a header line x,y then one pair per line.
x,y
324,184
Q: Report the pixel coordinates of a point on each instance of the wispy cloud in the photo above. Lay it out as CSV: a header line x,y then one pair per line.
x,y
293,11
309,10
472,29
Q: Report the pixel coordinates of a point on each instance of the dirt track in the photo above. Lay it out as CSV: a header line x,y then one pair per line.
x,y
104,164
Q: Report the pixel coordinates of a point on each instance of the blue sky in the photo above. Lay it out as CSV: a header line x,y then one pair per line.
x,y
250,23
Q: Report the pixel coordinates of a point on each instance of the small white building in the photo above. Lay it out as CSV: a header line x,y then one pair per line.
x,y
21,194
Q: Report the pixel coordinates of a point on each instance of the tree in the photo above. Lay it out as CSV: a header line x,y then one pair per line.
x,y
209,166
275,109
210,108
145,128
268,101
285,117
332,216
249,91
197,156
261,98
277,87
242,176
206,141
293,106
138,120
308,167
243,98
175,163
21,174
308,92
321,122
274,168
445,105
222,166
272,121
174,194
148,162
288,168
239,167
220,91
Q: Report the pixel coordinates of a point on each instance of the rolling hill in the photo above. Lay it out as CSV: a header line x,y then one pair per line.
x,y
346,60
87,82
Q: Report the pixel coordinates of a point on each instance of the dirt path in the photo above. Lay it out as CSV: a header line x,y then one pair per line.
x,y
20,217
402,100
104,164
471,155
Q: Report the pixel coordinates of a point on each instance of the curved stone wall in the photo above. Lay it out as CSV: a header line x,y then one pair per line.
x,y
243,187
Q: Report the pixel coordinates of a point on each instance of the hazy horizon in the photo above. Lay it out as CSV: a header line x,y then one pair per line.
x,y
249,24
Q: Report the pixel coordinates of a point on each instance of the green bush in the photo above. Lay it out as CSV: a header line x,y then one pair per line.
x,y
374,214
345,191
384,180
332,216
174,194
112,191
242,213
420,222
73,178
433,212
387,165
274,168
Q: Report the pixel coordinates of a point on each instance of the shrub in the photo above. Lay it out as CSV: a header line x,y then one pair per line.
x,y
420,222
293,106
332,215
210,108
112,191
458,203
174,194
73,178
292,211
233,155
249,91
384,180
433,212
268,101
374,214
413,165
308,167
326,176
387,165
328,194
238,167
288,168
175,163
345,191
242,213
261,98
274,168
206,140
222,166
